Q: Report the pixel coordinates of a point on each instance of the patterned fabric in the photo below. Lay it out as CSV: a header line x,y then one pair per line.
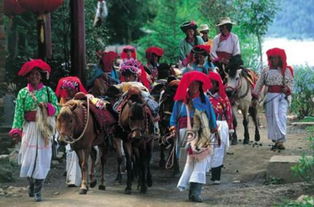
x,y
222,108
24,102
186,47
273,77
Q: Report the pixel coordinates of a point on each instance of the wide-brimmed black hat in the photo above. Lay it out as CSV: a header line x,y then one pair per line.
x,y
188,25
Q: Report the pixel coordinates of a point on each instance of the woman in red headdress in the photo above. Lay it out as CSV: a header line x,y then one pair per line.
x,y
36,107
223,111
193,106
278,77
153,54
66,89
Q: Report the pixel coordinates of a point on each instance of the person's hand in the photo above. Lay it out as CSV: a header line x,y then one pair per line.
x,y
224,61
286,90
42,104
16,138
172,130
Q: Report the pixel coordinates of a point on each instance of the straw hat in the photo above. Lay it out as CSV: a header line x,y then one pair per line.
x,y
224,20
203,27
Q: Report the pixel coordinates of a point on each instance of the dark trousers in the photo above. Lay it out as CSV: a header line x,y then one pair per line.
x,y
216,172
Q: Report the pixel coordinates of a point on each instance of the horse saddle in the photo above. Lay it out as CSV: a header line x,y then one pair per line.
x,y
251,76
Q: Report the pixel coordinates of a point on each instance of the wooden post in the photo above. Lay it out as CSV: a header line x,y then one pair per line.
x,y
78,50
44,36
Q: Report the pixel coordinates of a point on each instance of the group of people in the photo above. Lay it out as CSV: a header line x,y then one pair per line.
x,y
201,118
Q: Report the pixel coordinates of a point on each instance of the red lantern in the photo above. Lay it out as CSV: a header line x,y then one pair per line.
x,y
40,6
12,7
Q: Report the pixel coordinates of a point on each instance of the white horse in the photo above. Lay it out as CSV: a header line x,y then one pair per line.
x,y
101,13
239,91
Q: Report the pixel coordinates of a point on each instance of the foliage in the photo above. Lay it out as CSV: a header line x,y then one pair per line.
x,y
303,94
294,20
307,201
126,19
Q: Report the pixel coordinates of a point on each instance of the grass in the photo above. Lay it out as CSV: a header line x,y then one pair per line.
x,y
307,119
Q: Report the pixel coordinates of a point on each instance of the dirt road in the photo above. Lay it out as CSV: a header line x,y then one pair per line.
x,y
243,183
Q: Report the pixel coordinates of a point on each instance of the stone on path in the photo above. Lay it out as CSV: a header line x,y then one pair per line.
x,y
279,167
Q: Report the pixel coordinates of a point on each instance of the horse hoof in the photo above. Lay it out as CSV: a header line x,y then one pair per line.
x,y
93,184
127,191
143,189
101,187
83,191
246,141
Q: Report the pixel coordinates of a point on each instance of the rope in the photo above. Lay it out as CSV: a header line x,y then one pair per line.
x,y
170,160
85,127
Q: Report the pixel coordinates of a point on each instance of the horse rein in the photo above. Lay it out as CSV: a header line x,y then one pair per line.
x,y
85,127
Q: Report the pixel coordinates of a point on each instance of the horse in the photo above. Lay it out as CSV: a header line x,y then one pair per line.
x,y
138,144
76,126
239,91
101,13
166,103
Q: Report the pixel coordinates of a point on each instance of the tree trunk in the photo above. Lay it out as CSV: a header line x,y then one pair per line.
x,y
78,47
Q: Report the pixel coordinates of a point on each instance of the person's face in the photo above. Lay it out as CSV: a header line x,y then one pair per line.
x,y
199,58
71,92
154,58
129,53
204,34
223,29
275,61
130,78
190,33
194,87
34,77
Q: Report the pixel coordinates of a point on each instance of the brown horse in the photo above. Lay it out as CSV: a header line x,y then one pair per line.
x,y
138,145
76,126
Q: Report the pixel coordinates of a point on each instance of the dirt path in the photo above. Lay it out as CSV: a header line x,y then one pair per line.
x,y
243,179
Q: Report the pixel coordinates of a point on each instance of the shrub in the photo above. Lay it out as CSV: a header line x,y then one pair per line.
x,y
303,92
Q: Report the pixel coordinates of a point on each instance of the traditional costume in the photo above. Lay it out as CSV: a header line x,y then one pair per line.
x,y
152,66
204,122
225,46
223,111
73,170
277,99
35,125
186,45
205,67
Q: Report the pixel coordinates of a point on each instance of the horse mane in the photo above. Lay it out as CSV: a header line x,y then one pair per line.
x,y
137,112
235,63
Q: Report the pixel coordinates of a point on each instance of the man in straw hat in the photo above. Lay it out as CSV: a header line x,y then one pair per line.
x,y
191,39
204,29
225,44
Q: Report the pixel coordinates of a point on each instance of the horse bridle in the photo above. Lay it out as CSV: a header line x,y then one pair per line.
x,y
239,85
70,139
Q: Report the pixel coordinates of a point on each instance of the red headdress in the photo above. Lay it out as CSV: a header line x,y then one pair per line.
x,y
108,59
200,49
124,55
216,77
154,50
71,82
282,54
187,79
35,63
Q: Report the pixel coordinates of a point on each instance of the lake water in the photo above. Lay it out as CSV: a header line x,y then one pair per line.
x,y
299,52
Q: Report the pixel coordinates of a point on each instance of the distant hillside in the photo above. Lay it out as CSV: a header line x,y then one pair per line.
x,y
295,20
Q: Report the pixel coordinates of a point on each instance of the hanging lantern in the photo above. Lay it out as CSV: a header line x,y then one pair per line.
x,y
40,6
12,7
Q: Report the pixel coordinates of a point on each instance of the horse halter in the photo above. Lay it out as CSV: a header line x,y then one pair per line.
x,y
236,90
